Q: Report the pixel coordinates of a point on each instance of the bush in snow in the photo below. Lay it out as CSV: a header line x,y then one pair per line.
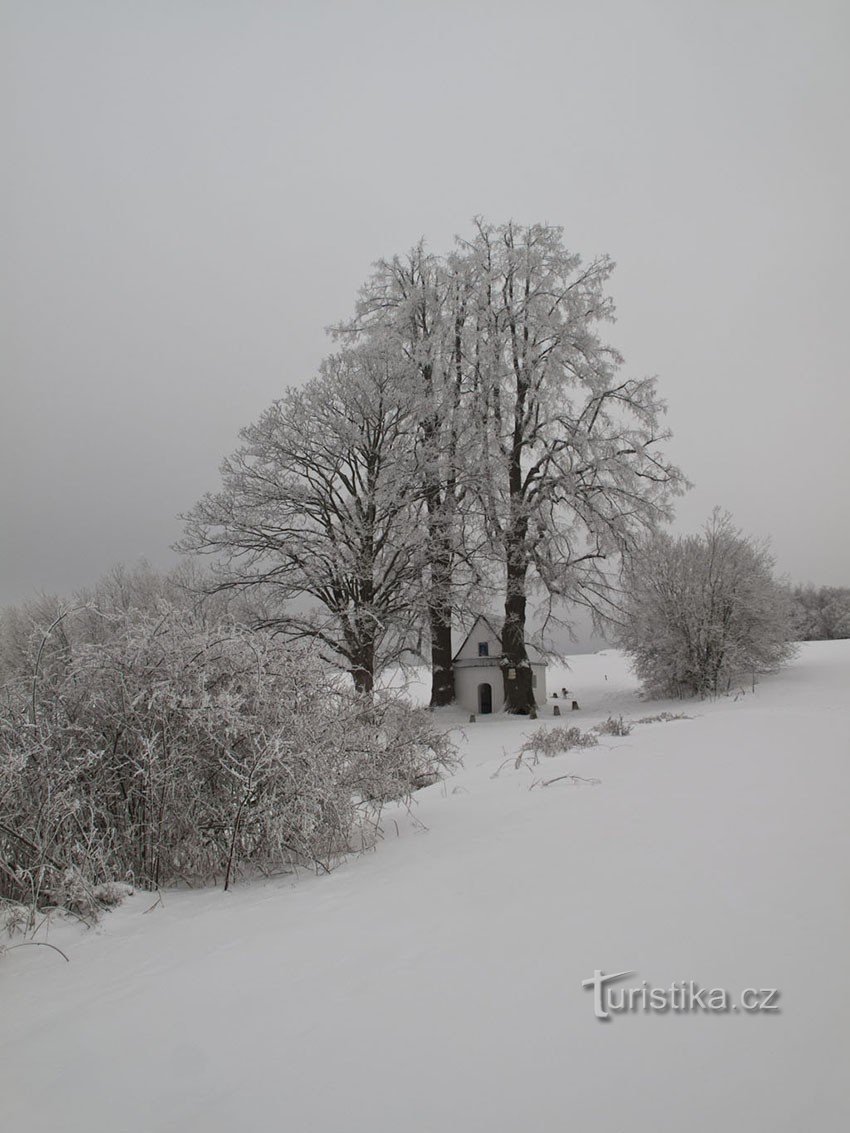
x,y
704,611
663,718
554,741
179,747
613,726
821,613
95,614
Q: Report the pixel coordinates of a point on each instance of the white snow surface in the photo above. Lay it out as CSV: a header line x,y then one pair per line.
x,y
435,984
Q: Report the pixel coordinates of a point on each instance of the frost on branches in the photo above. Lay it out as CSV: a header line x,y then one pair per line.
x,y
176,747
575,472
821,613
320,504
537,460
416,308
704,612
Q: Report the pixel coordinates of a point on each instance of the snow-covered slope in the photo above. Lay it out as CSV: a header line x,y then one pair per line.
x,y
436,983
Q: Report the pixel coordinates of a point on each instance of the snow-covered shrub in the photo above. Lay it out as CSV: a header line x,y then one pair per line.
x,y
704,611
14,918
554,741
613,726
179,747
821,613
663,718
401,751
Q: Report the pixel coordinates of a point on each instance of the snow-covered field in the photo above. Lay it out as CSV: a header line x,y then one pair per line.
x,y
436,983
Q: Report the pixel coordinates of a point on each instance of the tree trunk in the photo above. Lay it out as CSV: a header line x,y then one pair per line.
x,y
440,561
516,669
363,670
442,673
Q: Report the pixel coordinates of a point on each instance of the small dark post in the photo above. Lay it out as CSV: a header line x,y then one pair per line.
x,y
472,717
575,706
556,711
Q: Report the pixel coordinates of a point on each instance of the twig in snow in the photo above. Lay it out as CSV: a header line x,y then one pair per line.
x,y
36,944
576,779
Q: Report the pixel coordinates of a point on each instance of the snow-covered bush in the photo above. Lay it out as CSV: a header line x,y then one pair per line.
x,y
183,748
663,718
555,741
821,613
704,611
613,726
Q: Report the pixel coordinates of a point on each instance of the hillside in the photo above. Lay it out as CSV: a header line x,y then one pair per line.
x,y
435,984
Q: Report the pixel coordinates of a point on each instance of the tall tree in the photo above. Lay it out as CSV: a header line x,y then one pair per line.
x,y
571,447
320,504
415,309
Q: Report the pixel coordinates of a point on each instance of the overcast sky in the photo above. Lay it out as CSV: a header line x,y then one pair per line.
x,y
193,191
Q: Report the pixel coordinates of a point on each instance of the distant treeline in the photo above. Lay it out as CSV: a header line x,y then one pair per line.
x,y
822,612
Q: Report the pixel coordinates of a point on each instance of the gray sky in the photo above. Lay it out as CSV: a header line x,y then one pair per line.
x,y
193,191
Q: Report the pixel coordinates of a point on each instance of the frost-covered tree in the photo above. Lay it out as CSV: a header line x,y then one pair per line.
x,y
821,613
570,446
704,611
320,506
415,308
525,457
92,615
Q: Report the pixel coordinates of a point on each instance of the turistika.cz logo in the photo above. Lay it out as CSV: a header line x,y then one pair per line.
x,y
685,996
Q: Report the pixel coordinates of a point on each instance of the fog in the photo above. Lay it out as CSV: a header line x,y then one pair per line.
x,y
194,191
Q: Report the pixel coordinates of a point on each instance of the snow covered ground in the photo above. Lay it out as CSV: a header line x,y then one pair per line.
x,y
436,983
